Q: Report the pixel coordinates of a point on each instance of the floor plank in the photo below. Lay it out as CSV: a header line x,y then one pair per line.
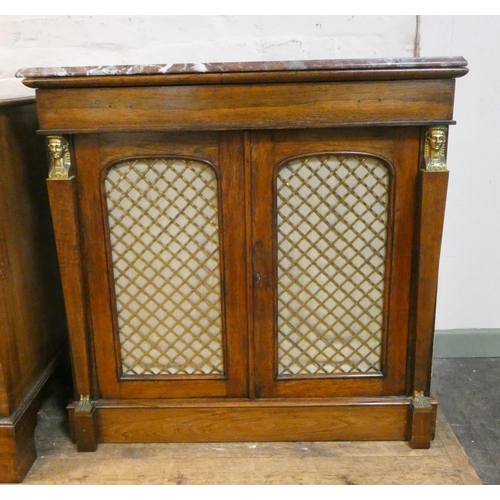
x,y
468,390
322,463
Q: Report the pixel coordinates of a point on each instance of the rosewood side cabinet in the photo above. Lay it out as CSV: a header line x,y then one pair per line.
x,y
249,251
33,335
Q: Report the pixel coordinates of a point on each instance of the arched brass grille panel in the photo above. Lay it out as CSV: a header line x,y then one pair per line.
x,y
332,214
164,236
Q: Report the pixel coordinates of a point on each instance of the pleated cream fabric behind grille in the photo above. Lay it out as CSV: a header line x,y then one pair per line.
x,y
332,214
164,234
332,232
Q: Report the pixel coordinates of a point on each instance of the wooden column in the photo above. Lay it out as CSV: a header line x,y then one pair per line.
x,y
63,202
431,196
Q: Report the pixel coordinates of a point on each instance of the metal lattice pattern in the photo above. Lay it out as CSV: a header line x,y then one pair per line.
x,y
332,233
164,236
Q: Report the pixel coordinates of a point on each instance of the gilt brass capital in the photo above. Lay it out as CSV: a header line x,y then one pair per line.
x,y
419,400
84,404
59,156
435,149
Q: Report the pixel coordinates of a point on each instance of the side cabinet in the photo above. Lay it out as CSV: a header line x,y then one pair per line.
x,y
250,253
32,320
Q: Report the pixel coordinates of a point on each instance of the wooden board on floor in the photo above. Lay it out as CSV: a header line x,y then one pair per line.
x,y
323,463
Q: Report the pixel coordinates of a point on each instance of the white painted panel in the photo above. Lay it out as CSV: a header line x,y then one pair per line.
x,y
469,280
33,41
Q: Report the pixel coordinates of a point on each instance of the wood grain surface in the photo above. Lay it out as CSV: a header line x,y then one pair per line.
x,y
336,463
32,318
212,107
246,129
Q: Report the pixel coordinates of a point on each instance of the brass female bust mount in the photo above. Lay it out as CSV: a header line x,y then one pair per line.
x,y
435,146
59,155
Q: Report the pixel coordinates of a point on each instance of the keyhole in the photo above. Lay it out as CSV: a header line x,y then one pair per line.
x,y
256,279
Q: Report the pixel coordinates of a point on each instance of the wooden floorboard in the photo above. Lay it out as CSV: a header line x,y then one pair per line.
x,y
468,390
319,463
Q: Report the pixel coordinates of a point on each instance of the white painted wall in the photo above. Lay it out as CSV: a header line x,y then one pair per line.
x,y
35,41
469,281
469,287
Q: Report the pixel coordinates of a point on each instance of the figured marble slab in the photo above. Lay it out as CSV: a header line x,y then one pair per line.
x,y
243,67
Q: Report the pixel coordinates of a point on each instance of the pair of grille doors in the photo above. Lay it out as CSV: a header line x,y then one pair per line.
x,y
331,236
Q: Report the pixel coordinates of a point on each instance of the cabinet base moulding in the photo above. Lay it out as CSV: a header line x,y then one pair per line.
x,y
280,420
17,442
17,445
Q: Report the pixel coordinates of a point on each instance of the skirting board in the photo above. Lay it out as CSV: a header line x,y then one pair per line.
x,y
467,343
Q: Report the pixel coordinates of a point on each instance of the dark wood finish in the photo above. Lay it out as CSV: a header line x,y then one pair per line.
x,y
62,196
209,107
245,122
390,144
421,425
432,188
32,318
85,427
225,152
292,420
17,444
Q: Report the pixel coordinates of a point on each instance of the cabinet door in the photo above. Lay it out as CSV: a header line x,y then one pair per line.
x,y
164,238
332,220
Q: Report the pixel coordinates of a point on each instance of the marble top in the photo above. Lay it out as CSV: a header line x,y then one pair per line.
x,y
238,67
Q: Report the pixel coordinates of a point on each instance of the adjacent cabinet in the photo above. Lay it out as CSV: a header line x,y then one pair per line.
x,y
33,337
250,252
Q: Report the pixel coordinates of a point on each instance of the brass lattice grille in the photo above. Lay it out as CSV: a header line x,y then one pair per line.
x,y
331,228
165,248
